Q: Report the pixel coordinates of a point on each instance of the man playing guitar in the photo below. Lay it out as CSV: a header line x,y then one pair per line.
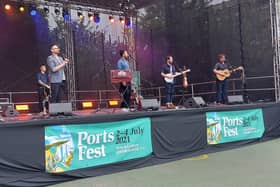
x,y
221,83
169,73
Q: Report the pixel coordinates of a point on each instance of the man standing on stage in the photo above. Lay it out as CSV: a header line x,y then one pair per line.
x,y
168,73
43,89
221,85
57,75
125,87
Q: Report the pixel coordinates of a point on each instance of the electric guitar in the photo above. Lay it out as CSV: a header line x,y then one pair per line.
x,y
223,74
171,79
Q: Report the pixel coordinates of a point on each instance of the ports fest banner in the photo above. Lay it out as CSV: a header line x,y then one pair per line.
x,y
233,126
70,147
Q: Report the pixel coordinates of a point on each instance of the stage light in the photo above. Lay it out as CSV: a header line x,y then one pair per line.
x,y
33,11
46,10
127,22
22,107
21,8
80,15
113,103
87,104
57,11
122,20
8,7
96,18
111,19
90,16
66,15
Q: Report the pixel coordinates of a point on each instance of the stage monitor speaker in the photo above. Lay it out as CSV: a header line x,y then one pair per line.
x,y
10,112
150,104
195,102
235,99
60,109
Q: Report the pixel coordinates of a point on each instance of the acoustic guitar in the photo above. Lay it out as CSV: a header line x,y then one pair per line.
x,y
170,80
223,74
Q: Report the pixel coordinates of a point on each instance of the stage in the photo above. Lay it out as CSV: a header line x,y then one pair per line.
x,y
175,134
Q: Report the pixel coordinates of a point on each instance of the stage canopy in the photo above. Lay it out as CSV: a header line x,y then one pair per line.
x,y
108,4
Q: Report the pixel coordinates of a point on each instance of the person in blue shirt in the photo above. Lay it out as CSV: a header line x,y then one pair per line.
x,y
221,85
125,87
43,89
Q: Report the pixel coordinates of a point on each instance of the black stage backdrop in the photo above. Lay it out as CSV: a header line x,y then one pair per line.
x,y
175,135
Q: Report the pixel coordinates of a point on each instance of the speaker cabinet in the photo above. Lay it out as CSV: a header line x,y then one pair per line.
x,y
60,109
150,104
235,99
195,102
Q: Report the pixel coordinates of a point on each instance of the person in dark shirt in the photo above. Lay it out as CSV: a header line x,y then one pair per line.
x,y
168,72
43,89
221,85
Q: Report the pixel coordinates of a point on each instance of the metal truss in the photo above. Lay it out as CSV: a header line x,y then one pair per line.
x,y
275,28
70,68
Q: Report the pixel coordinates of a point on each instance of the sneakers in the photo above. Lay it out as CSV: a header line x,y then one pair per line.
x,y
170,106
125,109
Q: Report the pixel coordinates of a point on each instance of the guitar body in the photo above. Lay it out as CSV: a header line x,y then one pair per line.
x,y
171,80
223,74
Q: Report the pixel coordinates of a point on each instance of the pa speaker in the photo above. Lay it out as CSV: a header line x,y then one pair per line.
x,y
10,112
150,104
195,102
60,108
235,99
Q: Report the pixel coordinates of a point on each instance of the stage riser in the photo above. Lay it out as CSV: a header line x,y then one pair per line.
x,y
175,135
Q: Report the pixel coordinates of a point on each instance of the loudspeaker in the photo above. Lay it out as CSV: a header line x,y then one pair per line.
x,y
10,112
60,108
195,102
150,104
235,99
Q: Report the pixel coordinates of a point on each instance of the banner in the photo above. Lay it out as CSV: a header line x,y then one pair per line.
x,y
70,147
233,126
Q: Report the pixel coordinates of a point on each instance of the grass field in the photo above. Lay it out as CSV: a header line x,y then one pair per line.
x,y
252,166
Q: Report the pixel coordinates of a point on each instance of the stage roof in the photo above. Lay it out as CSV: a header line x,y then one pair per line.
x,y
106,4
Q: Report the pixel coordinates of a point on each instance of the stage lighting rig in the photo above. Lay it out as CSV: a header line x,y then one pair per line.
x,y
57,11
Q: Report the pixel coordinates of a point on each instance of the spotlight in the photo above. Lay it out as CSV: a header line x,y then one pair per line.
x,y
57,11
8,7
66,15
46,10
96,18
21,8
111,19
80,15
122,20
33,11
127,22
87,104
90,16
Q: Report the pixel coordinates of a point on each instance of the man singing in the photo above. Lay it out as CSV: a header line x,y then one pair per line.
x,y
125,87
168,72
43,89
56,66
221,85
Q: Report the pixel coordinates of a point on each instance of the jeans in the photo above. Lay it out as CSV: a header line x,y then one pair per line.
x,y
125,91
42,94
56,92
169,92
221,91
